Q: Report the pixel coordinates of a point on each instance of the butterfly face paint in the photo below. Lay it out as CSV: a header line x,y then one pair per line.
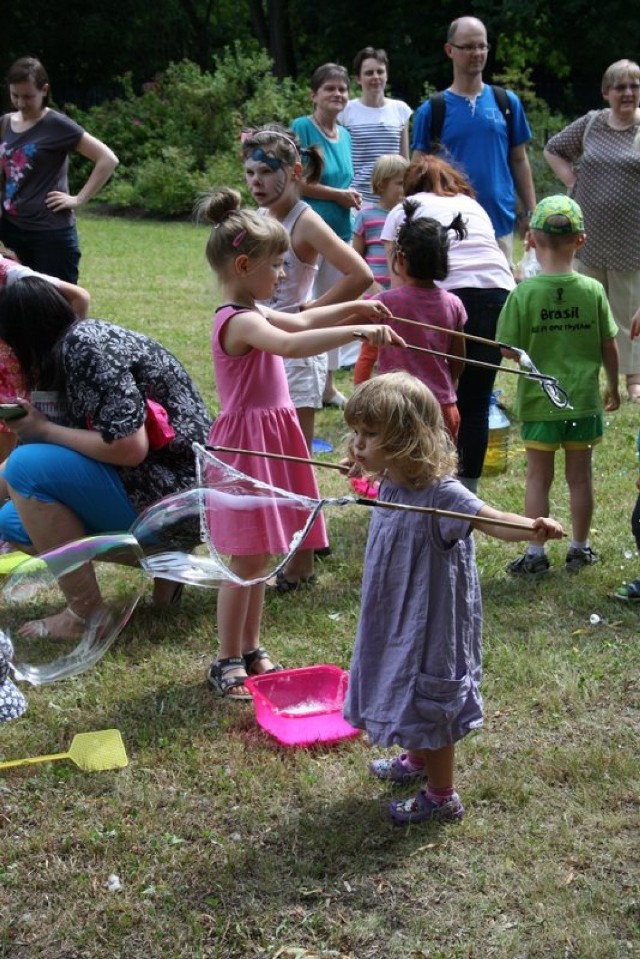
x,y
266,177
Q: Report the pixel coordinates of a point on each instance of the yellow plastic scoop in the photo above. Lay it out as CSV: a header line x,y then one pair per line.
x,y
91,752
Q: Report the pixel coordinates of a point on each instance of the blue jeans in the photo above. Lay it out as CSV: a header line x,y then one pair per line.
x,y
54,252
476,383
93,491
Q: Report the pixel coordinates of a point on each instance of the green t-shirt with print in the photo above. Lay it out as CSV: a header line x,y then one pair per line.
x,y
561,321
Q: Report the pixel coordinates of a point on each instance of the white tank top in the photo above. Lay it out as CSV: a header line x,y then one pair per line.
x,y
297,285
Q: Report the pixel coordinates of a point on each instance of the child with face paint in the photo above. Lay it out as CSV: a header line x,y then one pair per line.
x,y
275,168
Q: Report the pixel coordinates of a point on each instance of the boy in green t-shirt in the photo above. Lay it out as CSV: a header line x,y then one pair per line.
x,y
563,321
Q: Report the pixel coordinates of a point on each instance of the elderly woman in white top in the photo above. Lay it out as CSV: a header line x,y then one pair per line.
x,y
598,158
479,274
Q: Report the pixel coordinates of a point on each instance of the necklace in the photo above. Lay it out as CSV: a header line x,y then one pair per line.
x,y
330,134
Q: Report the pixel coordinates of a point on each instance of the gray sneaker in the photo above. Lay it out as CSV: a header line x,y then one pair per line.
x,y
532,566
577,558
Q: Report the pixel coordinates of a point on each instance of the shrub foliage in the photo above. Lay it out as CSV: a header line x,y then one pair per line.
x,y
180,135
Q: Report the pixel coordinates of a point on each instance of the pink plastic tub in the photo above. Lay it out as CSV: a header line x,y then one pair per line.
x,y
302,706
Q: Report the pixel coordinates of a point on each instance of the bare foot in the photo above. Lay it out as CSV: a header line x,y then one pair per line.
x,y
64,625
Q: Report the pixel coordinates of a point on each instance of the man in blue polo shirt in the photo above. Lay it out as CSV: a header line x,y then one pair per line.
x,y
477,135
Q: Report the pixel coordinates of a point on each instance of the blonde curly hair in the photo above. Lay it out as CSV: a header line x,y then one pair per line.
x,y
407,418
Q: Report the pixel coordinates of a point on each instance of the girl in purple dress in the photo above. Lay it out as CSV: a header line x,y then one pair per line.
x,y
415,674
247,252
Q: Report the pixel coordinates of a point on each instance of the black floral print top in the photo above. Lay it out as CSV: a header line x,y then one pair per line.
x,y
110,372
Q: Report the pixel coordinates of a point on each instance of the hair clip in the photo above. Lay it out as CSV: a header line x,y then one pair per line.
x,y
237,240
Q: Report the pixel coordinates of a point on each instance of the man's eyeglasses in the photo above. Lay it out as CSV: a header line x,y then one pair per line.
x,y
471,47
621,87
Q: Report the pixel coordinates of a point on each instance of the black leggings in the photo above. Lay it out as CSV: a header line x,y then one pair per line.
x,y
476,383
635,522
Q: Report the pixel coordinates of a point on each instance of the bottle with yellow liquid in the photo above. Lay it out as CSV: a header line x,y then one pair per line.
x,y
496,457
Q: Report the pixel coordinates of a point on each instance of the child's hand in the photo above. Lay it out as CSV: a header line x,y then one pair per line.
x,y
350,198
372,310
545,528
611,399
380,336
635,325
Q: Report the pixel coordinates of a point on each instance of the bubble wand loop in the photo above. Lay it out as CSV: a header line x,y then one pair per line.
x,y
162,543
549,384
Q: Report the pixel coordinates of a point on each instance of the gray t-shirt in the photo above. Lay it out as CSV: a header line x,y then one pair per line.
x,y
34,163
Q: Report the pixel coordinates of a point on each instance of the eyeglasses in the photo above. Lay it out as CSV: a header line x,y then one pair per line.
x,y
621,87
471,47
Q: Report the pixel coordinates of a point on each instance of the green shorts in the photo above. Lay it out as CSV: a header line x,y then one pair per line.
x,y
576,434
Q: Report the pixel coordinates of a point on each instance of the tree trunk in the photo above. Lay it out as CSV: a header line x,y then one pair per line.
x,y
272,27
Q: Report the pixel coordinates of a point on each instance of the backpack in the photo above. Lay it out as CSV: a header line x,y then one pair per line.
x,y
438,107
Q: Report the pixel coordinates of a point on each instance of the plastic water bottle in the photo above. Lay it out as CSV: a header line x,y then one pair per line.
x,y
529,265
495,460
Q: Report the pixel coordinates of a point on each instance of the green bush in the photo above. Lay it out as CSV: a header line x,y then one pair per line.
x,y
516,52
181,134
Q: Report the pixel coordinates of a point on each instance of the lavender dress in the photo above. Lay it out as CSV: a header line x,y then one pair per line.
x,y
417,661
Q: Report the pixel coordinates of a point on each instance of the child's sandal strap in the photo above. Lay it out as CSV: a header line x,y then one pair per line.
x,y
221,682
256,656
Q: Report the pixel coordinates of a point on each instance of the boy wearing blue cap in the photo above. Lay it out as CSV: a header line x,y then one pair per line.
x,y
563,321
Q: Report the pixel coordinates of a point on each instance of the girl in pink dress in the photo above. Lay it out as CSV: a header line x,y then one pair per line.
x,y
247,252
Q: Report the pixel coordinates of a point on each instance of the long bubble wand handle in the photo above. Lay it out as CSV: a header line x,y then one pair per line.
x,y
363,501
464,359
434,511
460,333
549,384
278,456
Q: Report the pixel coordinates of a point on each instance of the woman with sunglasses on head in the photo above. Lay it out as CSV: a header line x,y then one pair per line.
x,y
606,146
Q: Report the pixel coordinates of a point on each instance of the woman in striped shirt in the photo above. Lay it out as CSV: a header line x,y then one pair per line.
x,y
377,124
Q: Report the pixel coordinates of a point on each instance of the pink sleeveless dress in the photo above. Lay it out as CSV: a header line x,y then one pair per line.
x,y
257,414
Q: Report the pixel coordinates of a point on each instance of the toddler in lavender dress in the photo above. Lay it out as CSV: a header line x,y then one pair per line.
x,y
417,661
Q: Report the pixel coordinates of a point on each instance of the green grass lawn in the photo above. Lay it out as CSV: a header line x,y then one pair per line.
x,y
227,845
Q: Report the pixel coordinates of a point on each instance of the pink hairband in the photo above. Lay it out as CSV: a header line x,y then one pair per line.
x,y
250,134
